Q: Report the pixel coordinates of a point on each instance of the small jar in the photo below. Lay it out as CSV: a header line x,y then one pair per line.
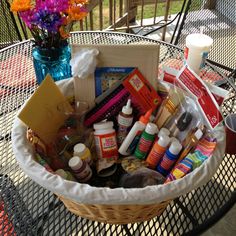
x,y
105,140
65,174
83,152
80,169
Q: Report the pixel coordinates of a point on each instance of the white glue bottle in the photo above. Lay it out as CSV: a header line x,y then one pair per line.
x,y
129,144
125,119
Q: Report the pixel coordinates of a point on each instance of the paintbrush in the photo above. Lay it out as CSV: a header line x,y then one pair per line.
x,y
169,107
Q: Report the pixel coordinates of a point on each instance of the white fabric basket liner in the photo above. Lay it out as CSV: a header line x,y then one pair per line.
x,y
86,194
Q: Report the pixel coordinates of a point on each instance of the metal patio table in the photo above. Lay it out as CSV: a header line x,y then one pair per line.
x,y
28,209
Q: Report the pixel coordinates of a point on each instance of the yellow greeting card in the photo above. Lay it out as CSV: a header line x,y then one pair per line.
x,y
42,113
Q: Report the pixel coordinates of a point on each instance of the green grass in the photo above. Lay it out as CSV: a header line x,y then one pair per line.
x,y
148,12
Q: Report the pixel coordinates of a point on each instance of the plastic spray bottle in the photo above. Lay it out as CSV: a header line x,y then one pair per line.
x,y
146,141
130,142
169,159
125,119
158,151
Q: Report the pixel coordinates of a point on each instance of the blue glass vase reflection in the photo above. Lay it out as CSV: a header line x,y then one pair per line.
x,y
55,61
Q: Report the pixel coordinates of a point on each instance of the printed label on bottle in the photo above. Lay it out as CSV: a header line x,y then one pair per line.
x,y
125,121
82,173
106,145
144,145
166,164
155,156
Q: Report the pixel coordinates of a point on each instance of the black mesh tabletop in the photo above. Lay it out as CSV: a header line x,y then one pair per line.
x,y
28,209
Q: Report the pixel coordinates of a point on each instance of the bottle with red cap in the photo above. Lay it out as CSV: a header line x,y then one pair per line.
x,y
129,144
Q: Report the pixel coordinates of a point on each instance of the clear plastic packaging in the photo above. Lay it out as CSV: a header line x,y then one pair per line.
x,y
141,178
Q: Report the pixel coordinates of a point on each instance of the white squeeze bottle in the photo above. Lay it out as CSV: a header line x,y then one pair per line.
x,y
125,120
129,144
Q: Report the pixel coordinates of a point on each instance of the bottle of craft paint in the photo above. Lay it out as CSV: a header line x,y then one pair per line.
x,y
169,159
162,131
105,140
80,169
125,119
157,151
129,144
83,152
146,141
65,174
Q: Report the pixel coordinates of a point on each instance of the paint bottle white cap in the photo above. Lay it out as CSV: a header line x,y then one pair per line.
x,y
79,149
75,163
164,140
151,128
175,147
163,131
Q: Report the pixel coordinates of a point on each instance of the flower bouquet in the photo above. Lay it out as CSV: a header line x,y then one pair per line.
x,y
50,22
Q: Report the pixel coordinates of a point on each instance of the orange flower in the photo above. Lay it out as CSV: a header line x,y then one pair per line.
x,y
20,5
77,13
77,10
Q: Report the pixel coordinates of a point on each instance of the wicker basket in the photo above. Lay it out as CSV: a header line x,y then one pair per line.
x,y
114,206
115,214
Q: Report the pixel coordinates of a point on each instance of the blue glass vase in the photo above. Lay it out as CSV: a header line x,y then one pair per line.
x,y
53,61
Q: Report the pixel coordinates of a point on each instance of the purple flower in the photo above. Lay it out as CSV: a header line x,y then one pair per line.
x,y
47,20
27,17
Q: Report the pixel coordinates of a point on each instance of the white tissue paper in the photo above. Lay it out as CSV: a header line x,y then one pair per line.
x,y
84,62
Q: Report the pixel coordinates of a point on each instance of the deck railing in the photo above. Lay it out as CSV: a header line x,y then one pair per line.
x,y
127,15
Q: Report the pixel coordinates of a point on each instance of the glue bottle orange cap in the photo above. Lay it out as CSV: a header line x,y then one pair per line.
x,y
145,119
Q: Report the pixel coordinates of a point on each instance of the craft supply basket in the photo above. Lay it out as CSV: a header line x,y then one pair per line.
x,y
119,205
